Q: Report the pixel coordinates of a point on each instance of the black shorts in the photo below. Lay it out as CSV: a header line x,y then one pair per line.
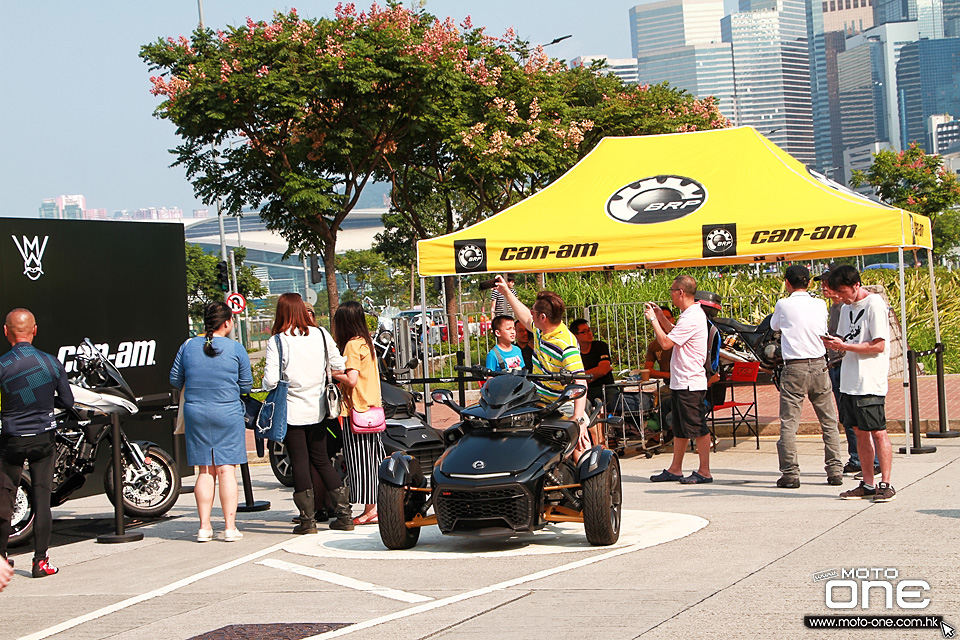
x,y
690,413
866,413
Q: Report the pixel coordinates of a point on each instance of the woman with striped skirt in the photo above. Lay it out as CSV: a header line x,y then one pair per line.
x,y
363,451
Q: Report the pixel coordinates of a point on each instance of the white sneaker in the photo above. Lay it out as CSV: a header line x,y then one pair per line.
x,y
204,535
231,535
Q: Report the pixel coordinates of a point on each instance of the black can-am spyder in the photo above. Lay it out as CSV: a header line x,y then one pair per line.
x,y
505,470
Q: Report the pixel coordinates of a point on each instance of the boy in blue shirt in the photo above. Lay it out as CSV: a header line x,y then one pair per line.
x,y
505,355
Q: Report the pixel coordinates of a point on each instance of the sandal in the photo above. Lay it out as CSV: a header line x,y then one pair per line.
x,y
368,520
696,478
665,476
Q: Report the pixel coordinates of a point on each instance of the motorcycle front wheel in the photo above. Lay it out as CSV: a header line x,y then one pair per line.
x,y
152,495
24,510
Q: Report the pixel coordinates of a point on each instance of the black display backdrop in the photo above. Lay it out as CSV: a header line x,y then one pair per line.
x,y
121,284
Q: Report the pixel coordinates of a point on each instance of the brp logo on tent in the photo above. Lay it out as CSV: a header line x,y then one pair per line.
x,y
470,255
32,253
656,199
719,240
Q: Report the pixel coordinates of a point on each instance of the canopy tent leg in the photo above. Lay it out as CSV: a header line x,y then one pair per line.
x,y
424,347
906,370
944,431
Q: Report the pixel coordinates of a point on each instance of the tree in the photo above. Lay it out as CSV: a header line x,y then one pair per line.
x,y
912,180
202,286
315,104
498,137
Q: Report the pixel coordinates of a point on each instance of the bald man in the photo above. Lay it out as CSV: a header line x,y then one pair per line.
x,y
32,383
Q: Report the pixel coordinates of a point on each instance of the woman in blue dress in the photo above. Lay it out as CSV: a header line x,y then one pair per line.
x,y
213,371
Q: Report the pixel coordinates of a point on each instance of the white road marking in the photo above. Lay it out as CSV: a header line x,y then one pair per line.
x,y
436,604
343,581
173,586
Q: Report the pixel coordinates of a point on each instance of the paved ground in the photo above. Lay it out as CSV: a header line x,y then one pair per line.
x,y
734,559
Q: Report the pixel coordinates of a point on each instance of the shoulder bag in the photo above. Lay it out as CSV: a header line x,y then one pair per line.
x,y
330,400
272,419
373,420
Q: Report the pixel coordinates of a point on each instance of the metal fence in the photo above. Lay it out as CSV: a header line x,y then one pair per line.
x,y
622,326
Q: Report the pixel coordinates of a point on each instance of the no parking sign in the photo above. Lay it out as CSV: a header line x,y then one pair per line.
x,y
236,302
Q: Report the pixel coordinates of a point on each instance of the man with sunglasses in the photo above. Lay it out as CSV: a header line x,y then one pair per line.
x,y
596,358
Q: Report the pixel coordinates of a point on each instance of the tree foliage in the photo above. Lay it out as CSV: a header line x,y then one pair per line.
x,y
912,180
202,286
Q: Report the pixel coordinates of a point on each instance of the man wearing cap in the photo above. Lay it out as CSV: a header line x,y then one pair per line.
x,y
801,320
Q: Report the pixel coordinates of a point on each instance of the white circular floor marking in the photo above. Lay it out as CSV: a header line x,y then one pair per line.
x,y
640,528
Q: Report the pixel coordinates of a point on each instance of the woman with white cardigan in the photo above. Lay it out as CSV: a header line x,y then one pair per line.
x,y
306,349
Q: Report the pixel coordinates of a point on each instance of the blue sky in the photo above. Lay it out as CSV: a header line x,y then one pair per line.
x,y
77,115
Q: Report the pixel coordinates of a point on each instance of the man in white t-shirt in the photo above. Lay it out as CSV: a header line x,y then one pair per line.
x,y
864,340
688,379
801,320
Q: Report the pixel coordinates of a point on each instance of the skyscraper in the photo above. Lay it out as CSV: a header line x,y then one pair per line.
x,y
771,71
929,14
863,107
928,83
892,37
674,23
678,41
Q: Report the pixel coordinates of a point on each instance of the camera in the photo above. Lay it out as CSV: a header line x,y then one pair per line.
x,y
487,284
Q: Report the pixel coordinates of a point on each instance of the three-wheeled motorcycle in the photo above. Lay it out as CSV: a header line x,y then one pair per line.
x,y
506,469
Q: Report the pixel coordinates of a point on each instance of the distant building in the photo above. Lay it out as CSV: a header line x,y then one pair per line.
x,y
863,105
928,83
860,159
927,13
679,41
892,38
63,207
201,213
945,133
849,16
94,214
771,71
623,68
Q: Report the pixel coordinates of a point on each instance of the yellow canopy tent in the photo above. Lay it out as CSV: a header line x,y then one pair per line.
x,y
728,196
714,197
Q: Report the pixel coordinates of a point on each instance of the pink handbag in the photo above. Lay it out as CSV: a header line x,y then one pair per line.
x,y
372,420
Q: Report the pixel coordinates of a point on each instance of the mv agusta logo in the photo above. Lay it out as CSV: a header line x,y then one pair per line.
x,y
32,253
656,199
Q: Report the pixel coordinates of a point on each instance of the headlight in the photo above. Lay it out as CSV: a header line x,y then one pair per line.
x,y
521,421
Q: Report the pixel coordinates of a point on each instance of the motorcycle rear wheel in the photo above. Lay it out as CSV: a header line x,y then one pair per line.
x,y
152,496
394,507
24,511
602,505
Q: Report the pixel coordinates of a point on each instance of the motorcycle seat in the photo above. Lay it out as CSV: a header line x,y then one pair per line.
x,y
730,323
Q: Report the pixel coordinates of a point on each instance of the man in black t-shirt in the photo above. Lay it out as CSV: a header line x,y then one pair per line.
x,y
596,358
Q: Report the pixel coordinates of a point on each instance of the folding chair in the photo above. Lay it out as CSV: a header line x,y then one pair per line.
x,y
741,412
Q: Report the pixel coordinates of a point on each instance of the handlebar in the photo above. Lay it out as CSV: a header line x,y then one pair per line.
x,y
565,377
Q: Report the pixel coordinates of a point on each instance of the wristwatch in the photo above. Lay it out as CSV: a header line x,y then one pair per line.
x,y
582,420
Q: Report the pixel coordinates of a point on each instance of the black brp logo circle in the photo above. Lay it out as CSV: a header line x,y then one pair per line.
x,y
470,256
719,241
656,199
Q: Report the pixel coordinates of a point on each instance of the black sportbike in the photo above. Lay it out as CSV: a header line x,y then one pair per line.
x,y
151,480
505,471
751,343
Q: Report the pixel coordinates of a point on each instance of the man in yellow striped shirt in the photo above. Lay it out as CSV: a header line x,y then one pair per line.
x,y
555,349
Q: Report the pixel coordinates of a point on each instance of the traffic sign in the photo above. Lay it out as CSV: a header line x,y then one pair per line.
x,y
236,302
